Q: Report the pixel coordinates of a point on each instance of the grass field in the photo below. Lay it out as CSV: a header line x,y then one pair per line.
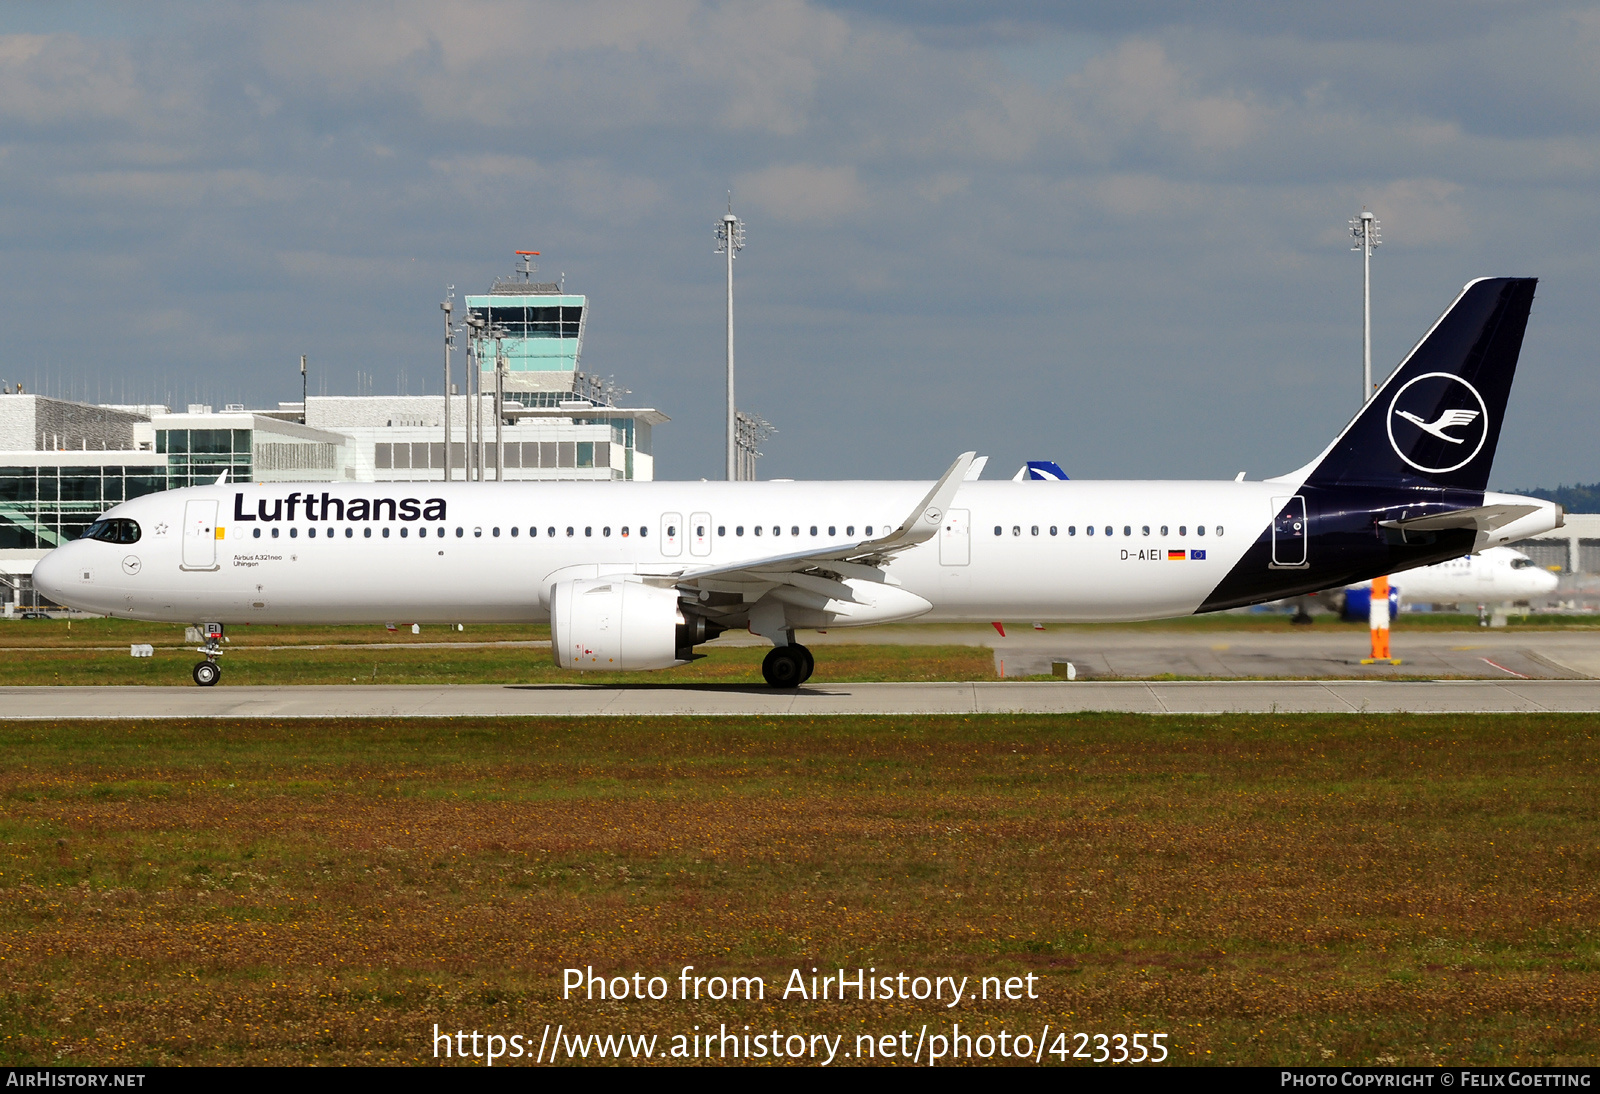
x,y
1262,889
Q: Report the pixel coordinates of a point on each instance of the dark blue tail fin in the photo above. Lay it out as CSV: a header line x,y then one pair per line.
x,y
1436,421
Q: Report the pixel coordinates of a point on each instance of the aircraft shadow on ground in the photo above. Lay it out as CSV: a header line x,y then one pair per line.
x,y
720,689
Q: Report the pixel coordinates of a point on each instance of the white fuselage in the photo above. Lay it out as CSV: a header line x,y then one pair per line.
x,y
1496,576
1061,551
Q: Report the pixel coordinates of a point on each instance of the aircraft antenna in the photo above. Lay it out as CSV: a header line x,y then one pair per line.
x,y
730,241
1367,231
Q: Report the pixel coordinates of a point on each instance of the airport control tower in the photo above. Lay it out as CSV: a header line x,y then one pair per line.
x,y
542,336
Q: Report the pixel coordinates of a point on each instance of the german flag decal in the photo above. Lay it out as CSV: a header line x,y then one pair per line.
x,y
1176,556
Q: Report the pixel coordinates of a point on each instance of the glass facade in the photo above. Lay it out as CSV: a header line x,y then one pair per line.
x,y
42,507
543,331
197,456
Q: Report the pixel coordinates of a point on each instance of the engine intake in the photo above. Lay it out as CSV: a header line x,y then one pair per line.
x,y
615,625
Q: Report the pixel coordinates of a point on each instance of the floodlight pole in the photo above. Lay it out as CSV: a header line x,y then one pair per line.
x,y
474,351
449,340
1366,230
302,389
730,241
499,406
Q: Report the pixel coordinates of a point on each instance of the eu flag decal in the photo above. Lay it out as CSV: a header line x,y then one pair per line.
x,y
1197,556
1174,556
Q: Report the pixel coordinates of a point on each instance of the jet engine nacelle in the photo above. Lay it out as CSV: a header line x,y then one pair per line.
x,y
614,625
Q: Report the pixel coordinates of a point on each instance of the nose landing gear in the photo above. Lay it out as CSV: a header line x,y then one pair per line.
x,y
208,672
788,666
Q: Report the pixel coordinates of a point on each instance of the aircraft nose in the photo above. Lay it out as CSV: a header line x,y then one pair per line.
x,y
50,575
1548,581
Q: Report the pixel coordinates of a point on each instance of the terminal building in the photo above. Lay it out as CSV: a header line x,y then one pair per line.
x,y
63,463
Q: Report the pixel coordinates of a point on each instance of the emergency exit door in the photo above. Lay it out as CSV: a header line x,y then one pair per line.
x,y
672,534
955,538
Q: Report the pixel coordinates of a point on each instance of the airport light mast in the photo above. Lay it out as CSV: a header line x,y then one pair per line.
x,y
1367,230
448,306
730,241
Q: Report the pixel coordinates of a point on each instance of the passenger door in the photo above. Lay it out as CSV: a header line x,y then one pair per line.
x,y
200,535
1289,533
700,534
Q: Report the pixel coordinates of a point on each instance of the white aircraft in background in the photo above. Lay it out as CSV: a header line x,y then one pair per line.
x,y
634,575
1499,575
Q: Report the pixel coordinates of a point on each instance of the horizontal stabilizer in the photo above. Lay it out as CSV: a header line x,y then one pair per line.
x,y
1485,518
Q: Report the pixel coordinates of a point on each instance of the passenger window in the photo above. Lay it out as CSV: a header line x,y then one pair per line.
x,y
1016,529
311,533
1127,529
758,529
672,529
1035,529
795,530
366,533
1145,529
385,532
1052,529
1183,529
350,533
495,532
644,530
477,533
722,530
1072,529
588,530
849,529
624,531
1088,530
738,530
869,529
606,531
274,533
257,532
1218,529
997,530
776,530
404,531
813,529
1200,531
569,531
551,532
831,531
513,531
1163,529
1110,531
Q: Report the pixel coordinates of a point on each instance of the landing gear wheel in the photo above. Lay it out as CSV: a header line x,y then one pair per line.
x,y
207,673
784,666
811,663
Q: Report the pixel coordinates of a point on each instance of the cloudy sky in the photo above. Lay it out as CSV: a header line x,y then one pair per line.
x,y
1111,234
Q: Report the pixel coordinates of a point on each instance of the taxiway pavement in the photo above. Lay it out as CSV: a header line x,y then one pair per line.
x,y
646,700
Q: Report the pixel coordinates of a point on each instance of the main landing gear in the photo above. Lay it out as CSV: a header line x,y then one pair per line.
x,y
788,666
208,672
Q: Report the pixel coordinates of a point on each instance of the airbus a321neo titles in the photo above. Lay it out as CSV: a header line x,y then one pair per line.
x,y
633,576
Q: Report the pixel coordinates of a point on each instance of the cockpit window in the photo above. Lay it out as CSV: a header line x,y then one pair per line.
x,y
113,531
1521,563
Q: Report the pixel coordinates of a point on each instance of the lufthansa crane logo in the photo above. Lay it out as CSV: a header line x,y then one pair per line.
x,y
1438,422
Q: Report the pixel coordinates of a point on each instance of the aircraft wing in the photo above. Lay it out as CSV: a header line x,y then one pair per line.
x,y
854,558
1485,518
